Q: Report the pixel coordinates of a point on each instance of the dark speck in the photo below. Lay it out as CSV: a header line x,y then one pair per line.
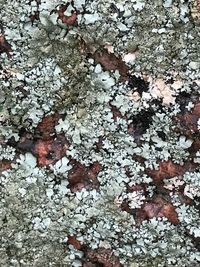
x,y
138,83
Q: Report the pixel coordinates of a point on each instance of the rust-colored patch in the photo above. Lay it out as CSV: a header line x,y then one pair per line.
x,y
80,176
158,207
101,257
44,143
5,164
168,169
50,151
46,128
5,47
169,212
95,168
110,61
74,242
69,20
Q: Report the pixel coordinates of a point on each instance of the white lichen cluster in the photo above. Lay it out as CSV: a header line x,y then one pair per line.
x,y
135,199
192,188
7,152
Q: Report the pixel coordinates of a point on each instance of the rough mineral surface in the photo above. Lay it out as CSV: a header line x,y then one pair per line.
x,y
99,133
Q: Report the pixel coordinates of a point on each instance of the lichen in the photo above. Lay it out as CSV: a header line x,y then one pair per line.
x,y
99,133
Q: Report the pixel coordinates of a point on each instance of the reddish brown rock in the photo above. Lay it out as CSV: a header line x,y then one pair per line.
x,y
158,207
5,47
46,128
69,20
50,151
74,242
101,257
168,169
110,61
80,176
5,164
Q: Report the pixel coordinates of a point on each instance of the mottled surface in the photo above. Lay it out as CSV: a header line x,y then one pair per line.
x,y
99,133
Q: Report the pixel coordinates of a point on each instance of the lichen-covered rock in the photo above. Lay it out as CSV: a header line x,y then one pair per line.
x,y
99,133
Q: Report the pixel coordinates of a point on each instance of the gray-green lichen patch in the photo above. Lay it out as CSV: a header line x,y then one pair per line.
x,y
118,74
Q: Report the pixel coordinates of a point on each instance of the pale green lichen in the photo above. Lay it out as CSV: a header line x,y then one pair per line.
x,y
49,73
